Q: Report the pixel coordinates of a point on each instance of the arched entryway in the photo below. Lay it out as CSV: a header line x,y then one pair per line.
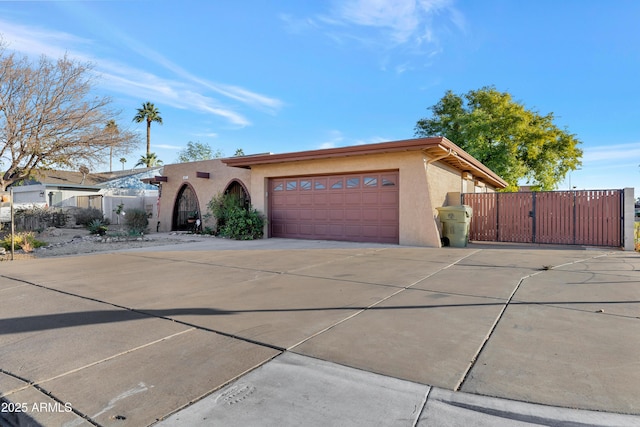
x,y
186,208
237,188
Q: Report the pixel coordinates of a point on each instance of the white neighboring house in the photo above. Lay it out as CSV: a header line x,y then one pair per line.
x,y
24,197
104,191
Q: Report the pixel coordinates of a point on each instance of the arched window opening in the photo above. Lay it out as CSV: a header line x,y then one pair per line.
x,y
186,209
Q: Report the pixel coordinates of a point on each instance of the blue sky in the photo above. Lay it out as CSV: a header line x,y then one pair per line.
x,y
281,76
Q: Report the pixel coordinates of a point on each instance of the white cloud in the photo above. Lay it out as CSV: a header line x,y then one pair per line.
x,y
386,27
370,140
334,139
207,134
337,139
36,41
399,16
168,146
184,90
398,22
607,153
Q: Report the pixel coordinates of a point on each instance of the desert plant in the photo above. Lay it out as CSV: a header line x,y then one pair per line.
x,y
25,241
97,226
85,215
136,221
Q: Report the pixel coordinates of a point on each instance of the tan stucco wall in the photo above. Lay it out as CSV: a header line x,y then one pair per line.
x,y
418,199
220,175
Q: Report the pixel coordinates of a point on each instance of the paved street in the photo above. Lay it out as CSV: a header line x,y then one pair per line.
x,y
286,332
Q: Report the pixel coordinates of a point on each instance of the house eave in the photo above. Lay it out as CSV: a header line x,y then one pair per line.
x,y
433,146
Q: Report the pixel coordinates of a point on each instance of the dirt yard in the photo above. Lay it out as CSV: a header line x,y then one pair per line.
x,y
74,241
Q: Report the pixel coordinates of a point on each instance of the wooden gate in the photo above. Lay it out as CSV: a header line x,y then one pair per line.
x,y
586,217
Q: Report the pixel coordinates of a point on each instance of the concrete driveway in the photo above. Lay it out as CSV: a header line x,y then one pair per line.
x,y
286,332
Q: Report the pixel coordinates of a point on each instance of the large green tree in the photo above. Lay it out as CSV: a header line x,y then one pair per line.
x,y
515,142
148,113
196,151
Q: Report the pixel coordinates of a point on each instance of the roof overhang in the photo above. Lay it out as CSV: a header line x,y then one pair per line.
x,y
439,148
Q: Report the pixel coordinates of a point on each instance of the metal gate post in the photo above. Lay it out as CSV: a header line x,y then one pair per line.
x,y
533,217
575,215
498,217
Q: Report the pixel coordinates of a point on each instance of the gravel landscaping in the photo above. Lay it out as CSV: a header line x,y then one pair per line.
x,y
76,241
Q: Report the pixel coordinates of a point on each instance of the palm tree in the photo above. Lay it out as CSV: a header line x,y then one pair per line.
x,y
112,130
148,113
123,160
150,160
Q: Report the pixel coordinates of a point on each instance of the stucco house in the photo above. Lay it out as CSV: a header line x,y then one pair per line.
x,y
385,192
185,189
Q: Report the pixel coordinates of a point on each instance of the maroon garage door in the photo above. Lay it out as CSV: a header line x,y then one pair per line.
x,y
356,207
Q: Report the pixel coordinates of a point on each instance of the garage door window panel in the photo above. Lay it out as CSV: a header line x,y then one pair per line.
x,y
370,181
336,184
389,180
305,184
353,182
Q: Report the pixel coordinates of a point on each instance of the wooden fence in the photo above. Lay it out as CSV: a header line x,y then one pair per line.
x,y
585,217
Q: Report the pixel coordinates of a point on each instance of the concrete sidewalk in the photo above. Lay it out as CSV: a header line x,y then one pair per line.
x,y
285,332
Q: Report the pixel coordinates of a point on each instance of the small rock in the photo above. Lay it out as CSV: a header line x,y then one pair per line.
x,y
600,311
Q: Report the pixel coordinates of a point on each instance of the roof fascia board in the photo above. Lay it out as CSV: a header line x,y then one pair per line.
x,y
418,144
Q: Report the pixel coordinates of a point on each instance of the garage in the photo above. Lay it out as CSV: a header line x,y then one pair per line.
x,y
385,192
362,207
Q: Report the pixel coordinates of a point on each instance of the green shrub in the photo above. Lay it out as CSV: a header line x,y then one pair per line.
x,y
25,241
220,207
136,221
243,224
85,215
235,221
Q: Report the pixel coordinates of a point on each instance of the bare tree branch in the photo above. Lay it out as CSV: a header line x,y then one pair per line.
x,y
48,118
